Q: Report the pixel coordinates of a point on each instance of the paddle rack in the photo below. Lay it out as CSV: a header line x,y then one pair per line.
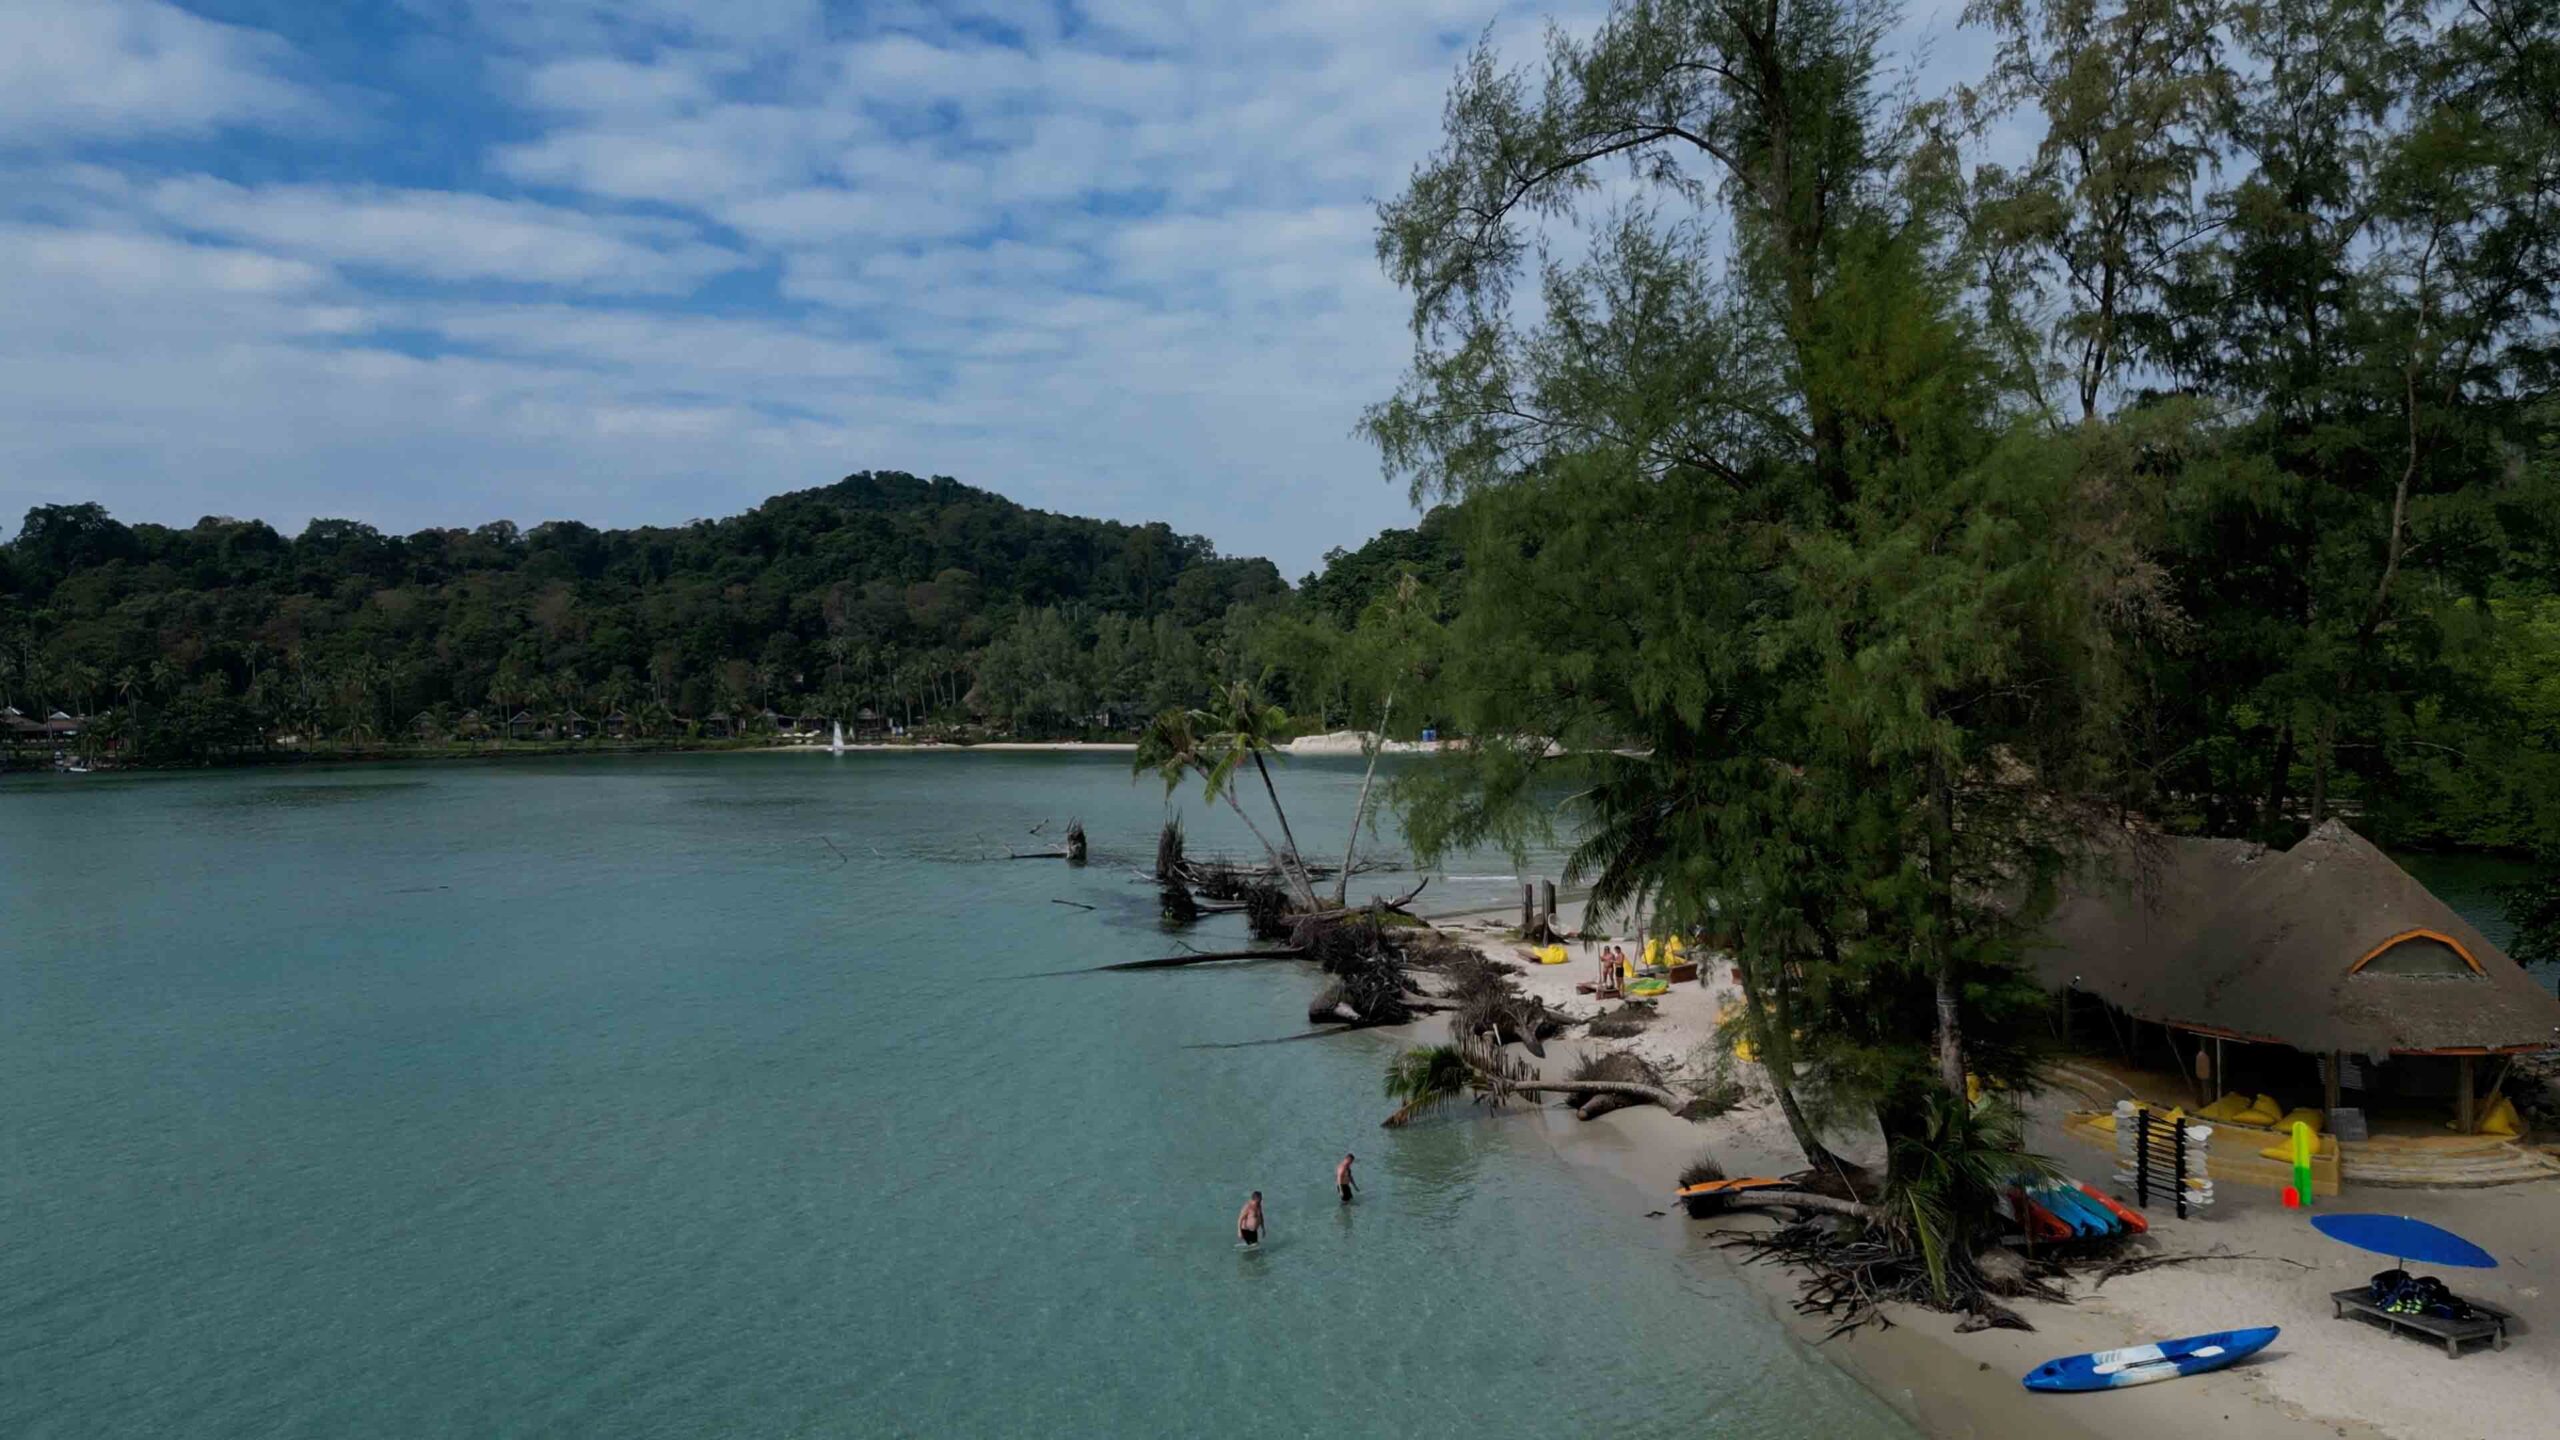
x,y
2161,1156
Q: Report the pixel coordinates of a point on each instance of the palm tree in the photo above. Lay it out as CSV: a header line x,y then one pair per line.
x,y
1174,747
79,680
1248,730
1948,1173
129,686
1424,1078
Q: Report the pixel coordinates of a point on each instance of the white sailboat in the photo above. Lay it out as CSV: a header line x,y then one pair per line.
x,y
835,742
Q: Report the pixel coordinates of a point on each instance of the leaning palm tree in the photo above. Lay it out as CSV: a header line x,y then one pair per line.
x,y
1947,1176
1248,730
1423,1079
1175,747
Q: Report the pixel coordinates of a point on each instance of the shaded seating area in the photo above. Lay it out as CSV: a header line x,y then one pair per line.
x,y
2416,1304
2320,984
2488,1324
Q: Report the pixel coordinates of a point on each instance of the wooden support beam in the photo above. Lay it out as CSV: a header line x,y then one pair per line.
x,y
2462,1097
2329,1080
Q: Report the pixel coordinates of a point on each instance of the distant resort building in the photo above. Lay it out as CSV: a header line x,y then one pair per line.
x,y
20,729
2325,970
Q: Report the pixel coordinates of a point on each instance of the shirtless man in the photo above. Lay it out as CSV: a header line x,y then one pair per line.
x,y
1249,1220
1342,1180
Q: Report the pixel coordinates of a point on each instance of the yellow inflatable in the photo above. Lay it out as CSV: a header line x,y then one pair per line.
x,y
1672,950
1652,953
2502,1119
1550,955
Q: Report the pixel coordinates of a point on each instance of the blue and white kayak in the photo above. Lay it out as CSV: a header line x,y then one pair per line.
x,y
2142,1364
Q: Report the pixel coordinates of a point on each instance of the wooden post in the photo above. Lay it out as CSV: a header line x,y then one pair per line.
x,y
2330,1088
1528,909
2462,1097
1547,901
2218,1071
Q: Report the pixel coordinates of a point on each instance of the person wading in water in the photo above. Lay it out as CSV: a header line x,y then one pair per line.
x,y
1342,1180
1249,1220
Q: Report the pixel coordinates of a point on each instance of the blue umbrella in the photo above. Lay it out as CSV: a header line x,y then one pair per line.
x,y
2405,1239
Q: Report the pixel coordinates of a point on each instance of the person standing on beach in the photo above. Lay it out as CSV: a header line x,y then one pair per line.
x,y
1342,1180
1249,1220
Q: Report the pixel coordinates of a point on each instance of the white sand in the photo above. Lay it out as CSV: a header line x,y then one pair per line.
x,y
1351,742
935,747
2323,1377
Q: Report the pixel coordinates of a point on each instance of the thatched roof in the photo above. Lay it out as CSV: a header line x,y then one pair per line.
x,y
2326,946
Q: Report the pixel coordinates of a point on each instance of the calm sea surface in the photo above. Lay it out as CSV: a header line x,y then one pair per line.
x,y
709,1096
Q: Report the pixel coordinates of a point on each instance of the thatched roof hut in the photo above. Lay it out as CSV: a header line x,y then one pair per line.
x,y
2326,947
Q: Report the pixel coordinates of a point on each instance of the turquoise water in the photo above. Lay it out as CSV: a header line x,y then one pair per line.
x,y
706,1096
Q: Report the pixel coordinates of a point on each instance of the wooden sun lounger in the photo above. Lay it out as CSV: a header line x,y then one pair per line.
x,y
2491,1324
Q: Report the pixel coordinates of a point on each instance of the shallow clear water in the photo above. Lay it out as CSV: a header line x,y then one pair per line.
x,y
705,1096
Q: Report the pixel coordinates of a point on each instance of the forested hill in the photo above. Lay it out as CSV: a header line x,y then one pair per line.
x,y
879,590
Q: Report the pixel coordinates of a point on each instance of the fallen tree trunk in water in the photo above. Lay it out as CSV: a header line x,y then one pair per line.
x,y
1630,1089
1799,1200
1167,962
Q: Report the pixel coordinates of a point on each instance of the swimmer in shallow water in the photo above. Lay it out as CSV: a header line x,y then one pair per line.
x,y
1249,1223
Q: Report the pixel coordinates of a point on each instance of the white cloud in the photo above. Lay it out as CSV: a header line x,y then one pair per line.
x,y
124,68
446,235
1086,256
671,351
602,85
690,160
820,215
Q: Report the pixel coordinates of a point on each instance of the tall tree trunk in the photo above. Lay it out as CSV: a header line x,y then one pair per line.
x,y
2323,737
1292,874
1942,968
1360,810
2271,821
1773,1035
1296,862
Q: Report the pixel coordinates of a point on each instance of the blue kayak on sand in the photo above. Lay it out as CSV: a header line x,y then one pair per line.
x,y
2142,1364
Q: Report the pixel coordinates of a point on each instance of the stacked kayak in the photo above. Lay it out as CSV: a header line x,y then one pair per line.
x,y
2050,1210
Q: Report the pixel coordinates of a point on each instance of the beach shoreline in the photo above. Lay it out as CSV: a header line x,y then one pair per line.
x,y
938,747
2323,1377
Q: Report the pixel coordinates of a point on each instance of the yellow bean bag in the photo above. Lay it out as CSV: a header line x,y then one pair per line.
x,y
2322,1147
2229,1107
1550,955
2303,1114
2502,1119
2262,1111
1652,953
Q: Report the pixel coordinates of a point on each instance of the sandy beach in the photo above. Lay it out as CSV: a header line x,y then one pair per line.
x,y
1024,747
2322,1377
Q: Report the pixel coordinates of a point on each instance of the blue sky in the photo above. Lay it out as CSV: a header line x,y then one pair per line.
x,y
436,262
